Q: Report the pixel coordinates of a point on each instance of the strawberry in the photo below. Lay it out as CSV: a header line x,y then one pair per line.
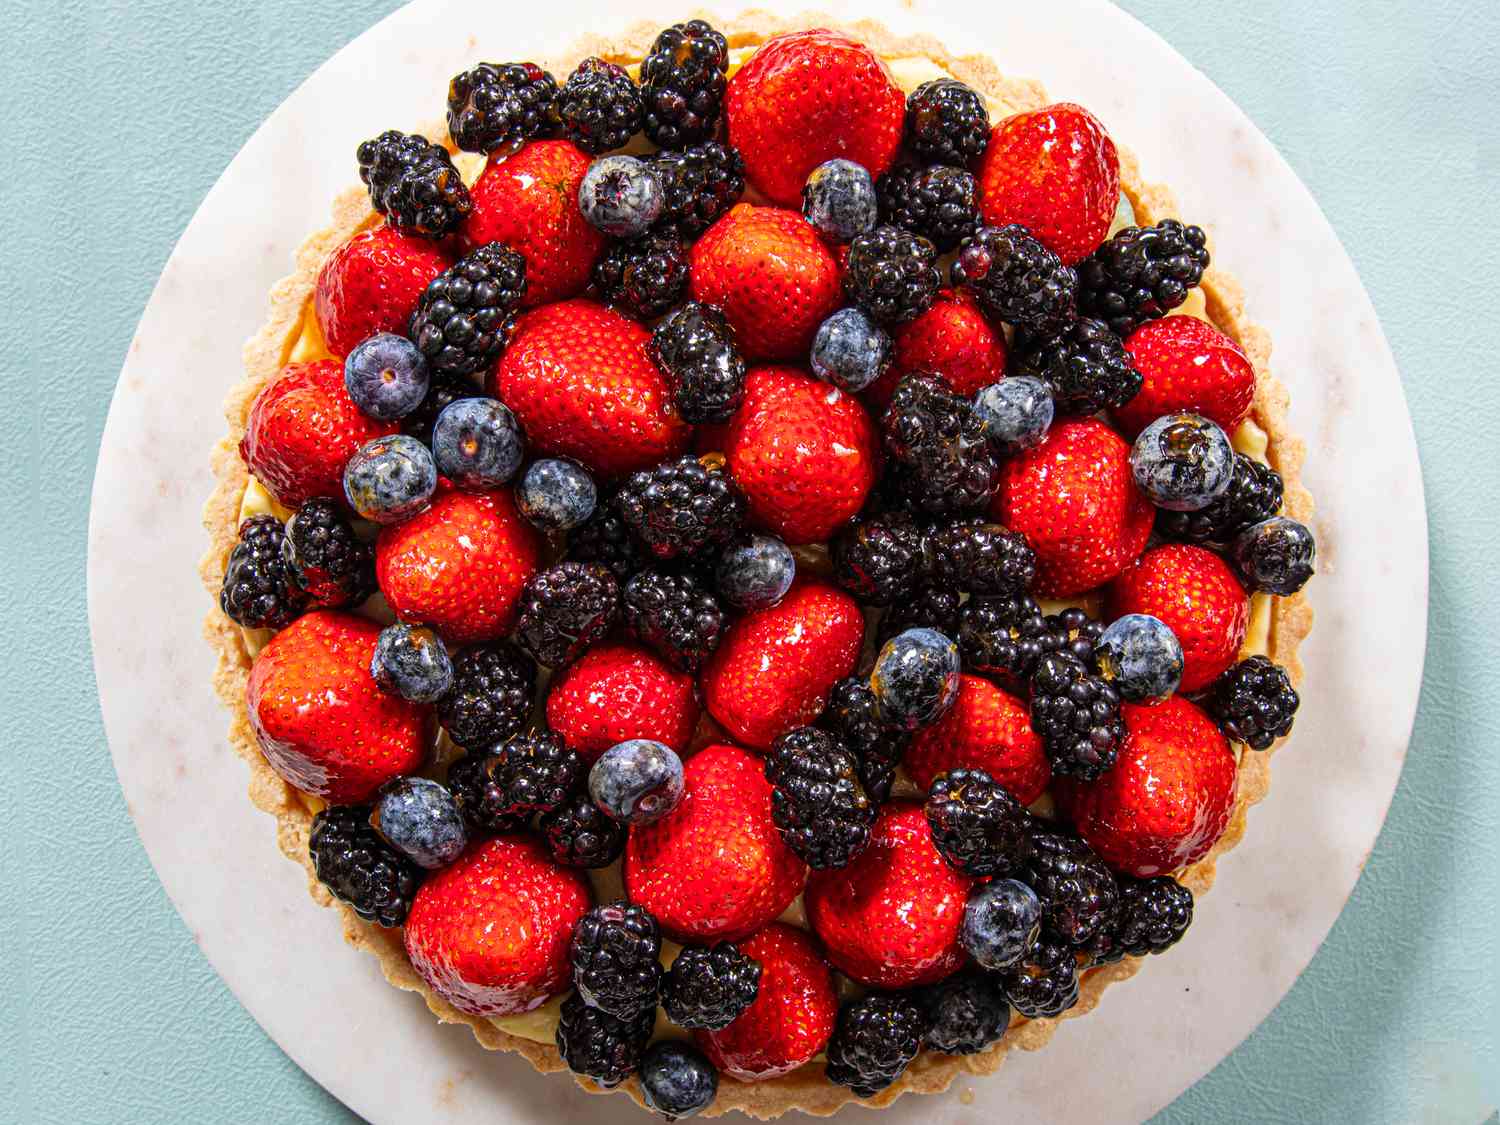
x,y
1055,171
775,667
321,720
771,274
986,729
951,339
617,692
792,1016
807,97
1193,590
459,566
714,868
578,378
1074,499
529,201
371,284
890,919
490,932
804,453
301,431
1187,364
1168,797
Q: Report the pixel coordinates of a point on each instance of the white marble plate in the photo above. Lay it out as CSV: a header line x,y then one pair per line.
x,y
1278,893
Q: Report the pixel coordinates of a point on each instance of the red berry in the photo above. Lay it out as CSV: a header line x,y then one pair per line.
x,y
618,692
952,339
371,284
1187,364
986,729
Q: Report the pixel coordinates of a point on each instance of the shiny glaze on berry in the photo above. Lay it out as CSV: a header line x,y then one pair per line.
x,y
986,729
614,693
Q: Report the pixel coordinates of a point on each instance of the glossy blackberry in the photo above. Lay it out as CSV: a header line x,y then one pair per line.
x,y
676,615
1045,983
1074,632
496,105
600,106
1141,273
937,202
978,557
500,790
699,183
490,697
566,609
604,538
851,718
579,834
938,437
361,869
876,1037
931,607
413,184
1086,366
681,507
597,1045
1254,702
643,277
817,802
614,951
443,388
1254,494
324,556
682,85
892,274
260,591
879,559
694,348
465,316
947,123
709,988
1151,916
1077,715
1002,637
1016,279
1077,890
977,826
966,1013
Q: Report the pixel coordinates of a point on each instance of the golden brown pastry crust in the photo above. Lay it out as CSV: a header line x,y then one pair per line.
x,y
264,355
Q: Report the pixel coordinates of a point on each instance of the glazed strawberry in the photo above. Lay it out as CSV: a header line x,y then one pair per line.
x,y
1187,364
807,97
371,284
804,453
459,566
987,729
1054,170
1193,590
1074,499
577,376
1169,796
890,919
529,201
302,429
952,339
319,717
490,932
616,692
771,274
715,868
775,667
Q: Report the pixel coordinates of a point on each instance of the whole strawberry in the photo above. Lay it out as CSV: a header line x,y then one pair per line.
x,y
371,284
321,721
1187,364
986,729
952,338
618,692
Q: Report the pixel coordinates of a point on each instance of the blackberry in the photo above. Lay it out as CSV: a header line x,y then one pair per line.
x,y
490,697
817,802
947,123
967,1012
977,826
1003,636
413,184
600,106
879,559
615,951
324,556
497,105
1254,702
465,316
851,717
260,590
682,85
694,348
937,435
710,988
1016,279
1086,366
1077,715
937,202
565,610
681,507
361,869
929,608
581,835
643,277
443,388
597,1045
978,557
503,789
1077,890
875,1039
1151,917
892,274
1045,983
1254,494
1074,632
675,615
1141,273
699,184
604,538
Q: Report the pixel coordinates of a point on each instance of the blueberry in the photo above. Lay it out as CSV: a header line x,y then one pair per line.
x,y
420,818
477,443
411,661
556,495
757,573
915,678
1017,412
1275,556
677,1080
1141,657
386,376
839,200
390,479
621,196
1000,922
850,350
1183,462
637,782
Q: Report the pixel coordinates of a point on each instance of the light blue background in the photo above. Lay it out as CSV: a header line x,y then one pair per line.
x,y
116,117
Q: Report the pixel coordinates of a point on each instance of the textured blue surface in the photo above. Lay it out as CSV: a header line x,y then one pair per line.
x,y
116,117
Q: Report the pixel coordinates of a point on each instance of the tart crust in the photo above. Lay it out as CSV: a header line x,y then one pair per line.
x,y
291,313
